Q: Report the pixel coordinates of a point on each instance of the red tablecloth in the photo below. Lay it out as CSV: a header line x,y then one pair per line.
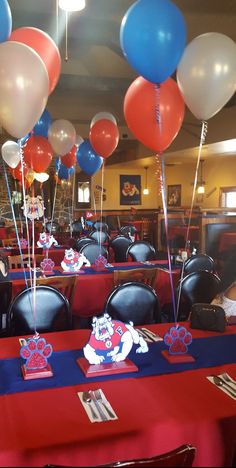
x,y
227,241
155,414
92,290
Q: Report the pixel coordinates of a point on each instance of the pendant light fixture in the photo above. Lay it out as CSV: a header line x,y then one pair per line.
x,y
201,183
146,190
72,5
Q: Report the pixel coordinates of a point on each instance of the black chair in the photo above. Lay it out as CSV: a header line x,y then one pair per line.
x,y
93,250
52,311
5,301
100,225
120,244
77,228
52,227
83,241
141,251
128,230
99,236
199,262
198,286
134,301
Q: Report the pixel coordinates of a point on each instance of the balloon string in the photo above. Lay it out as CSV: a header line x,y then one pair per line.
x,y
103,169
14,220
57,21
34,266
25,208
72,205
158,102
163,194
202,141
66,56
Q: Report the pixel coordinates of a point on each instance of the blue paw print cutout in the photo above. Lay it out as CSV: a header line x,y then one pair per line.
x,y
178,339
36,352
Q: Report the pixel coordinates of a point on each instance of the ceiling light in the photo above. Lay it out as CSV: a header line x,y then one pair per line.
x,y
201,183
72,5
201,189
146,190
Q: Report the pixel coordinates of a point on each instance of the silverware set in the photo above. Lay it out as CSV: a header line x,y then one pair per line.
x,y
148,335
99,407
226,383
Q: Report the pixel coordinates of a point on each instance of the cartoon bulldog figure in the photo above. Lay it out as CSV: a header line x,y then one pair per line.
x,y
112,340
74,260
33,207
46,240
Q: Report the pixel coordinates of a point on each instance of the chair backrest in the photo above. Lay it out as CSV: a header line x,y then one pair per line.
x,y
182,456
100,225
134,301
23,261
65,284
83,241
145,275
120,245
52,227
11,242
5,301
52,311
199,262
198,286
93,250
99,236
141,251
127,230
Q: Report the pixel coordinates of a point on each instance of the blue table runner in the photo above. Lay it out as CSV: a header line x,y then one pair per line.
x,y
208,352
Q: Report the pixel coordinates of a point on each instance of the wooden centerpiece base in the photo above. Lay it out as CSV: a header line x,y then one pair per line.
x,y
29,374
177,358
109,368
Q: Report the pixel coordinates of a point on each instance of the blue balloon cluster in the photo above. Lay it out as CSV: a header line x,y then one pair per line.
x,y
42,126
153,38
89,161
62,171
5,21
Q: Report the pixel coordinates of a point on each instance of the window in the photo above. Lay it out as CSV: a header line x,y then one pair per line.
x,y
228,197
82,191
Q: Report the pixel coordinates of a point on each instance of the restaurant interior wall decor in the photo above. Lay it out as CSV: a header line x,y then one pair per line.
x,y
130,189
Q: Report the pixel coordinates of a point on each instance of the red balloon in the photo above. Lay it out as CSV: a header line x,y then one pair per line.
x,y
69,159
104,137
45,47
17,172
140,110
38,153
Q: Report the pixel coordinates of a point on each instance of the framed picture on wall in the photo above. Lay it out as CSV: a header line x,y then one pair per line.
x,y
130,190
174,195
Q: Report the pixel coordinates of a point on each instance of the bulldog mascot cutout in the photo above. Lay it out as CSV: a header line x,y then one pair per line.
x,y
112,340
74,260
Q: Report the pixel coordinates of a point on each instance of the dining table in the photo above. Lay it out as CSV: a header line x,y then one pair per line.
x,y
93,286
159,406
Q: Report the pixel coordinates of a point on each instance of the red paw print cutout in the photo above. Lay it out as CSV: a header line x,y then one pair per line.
x,y
47,265
36,352
100,262
178,339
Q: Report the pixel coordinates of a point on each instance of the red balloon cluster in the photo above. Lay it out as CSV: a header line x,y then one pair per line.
x,y
104,136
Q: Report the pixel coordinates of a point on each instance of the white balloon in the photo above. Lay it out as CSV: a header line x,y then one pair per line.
x,y
103,116
41,176
62,136
79,140
11,153
206,74
24,88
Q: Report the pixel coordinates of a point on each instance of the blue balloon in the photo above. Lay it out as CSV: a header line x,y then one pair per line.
x,y
62,171
88,159
153,38
24,139
5,21
42,126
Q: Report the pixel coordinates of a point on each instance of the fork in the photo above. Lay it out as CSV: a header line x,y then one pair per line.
x,y
227,378
100,399
102,415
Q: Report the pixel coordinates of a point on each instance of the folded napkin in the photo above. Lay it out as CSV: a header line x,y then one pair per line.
x,y
229,387
92,408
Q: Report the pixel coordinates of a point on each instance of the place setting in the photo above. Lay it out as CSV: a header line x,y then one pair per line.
x,y
96,405
225,383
